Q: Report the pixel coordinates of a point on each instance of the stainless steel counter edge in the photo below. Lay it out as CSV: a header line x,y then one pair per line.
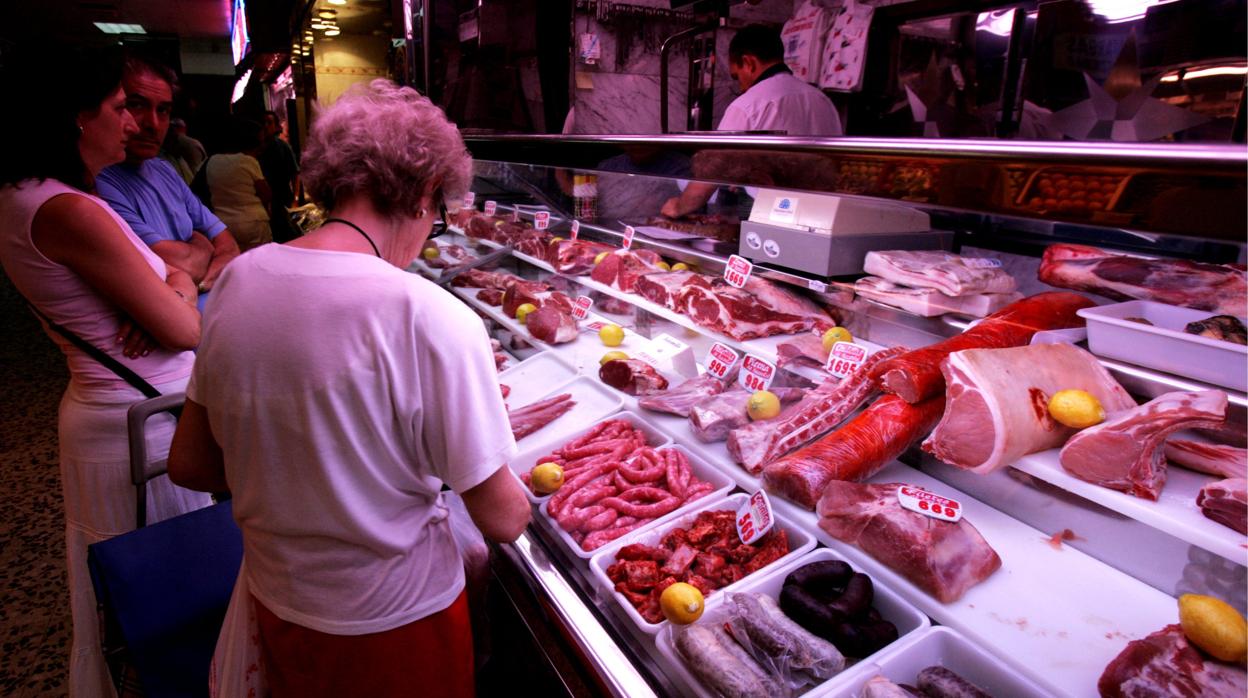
x,y
609,661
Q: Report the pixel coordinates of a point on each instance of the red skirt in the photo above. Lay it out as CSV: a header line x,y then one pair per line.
x,y
430,657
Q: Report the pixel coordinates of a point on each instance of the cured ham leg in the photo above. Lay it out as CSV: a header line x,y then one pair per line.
x,y
942,558
1226,502
996,402
1164,664
916,376
948,273
1125,452
854,452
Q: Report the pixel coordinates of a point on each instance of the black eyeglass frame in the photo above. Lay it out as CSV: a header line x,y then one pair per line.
x,y
443,218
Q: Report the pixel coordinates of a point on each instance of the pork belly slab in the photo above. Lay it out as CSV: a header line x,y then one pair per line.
x,y
996,402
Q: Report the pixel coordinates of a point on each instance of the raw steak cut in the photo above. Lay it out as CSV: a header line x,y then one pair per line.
x,y
663,288
552,325
574,257
713,225
477,278
682,398
713,418
942,558
448,255
1166,665
530,418
757,444
1226,501
855,452
484,227
735,312
1212,459
517,295
1125,452
1218,288
490,296
930,302
780,299
916,376
622,268
948,273
632,376
997,402
803,350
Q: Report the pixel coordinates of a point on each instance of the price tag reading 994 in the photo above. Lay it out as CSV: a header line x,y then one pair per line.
x,y
720,360
923,502
581,306
469,199
628,236
737,271
541,220
754,519
576,229
491,207
845,358
756,373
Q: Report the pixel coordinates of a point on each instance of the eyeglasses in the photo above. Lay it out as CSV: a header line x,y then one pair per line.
x,y
443,218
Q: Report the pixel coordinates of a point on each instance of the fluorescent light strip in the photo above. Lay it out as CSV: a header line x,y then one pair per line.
x,y
117,28
1209,72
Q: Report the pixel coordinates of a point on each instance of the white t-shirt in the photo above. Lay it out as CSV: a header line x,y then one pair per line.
x,y
232,181
782,103
344,392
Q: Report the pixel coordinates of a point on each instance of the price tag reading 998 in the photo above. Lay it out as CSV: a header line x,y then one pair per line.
x,y
720,360
754,519
737,271
756,373
845,358
491,207
541,220
581,306
576,229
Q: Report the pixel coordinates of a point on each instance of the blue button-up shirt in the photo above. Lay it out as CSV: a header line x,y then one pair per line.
x,y
156,202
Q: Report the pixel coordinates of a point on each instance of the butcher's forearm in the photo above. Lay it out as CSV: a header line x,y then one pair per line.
x,y
695,196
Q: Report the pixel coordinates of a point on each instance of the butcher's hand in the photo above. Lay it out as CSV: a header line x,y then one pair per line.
x,y
671,208
135,340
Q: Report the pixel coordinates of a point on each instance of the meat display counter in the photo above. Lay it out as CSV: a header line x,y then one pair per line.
x,y
1048,569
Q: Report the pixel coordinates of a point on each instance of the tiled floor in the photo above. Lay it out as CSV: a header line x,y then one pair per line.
x,y
34,614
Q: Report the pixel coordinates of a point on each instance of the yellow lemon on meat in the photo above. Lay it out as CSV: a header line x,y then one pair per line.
x,y
612,356
523,311
556,239
1214,626
763,405
601,256
664,265
611,335
1077,409
680,266
682,603
546,478
431,253
834,335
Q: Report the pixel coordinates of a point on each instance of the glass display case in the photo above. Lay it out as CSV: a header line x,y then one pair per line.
x,y
1084,568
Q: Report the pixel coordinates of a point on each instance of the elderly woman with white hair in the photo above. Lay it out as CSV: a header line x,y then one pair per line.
x,y
334,394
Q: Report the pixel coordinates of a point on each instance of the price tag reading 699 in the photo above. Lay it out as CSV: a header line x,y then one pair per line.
x,y
756,373
754,519
737,272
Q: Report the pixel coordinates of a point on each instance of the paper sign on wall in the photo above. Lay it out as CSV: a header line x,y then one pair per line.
x,y
754,519
720,360
541,220
845,358
756,373
581,306
737,271
923,502
628,236
491,207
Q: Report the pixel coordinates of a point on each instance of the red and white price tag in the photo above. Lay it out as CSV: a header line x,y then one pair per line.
x,y
756,373
595,326
845,358
628,236
491,207
581,306
737,272
720,360
541,220
923,502
469,199
576,229
816,286
754,519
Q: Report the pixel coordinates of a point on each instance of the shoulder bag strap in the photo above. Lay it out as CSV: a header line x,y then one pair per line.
x,y
109,362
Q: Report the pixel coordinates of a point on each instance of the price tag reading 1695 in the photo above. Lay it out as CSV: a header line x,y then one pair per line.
x,y
845,358
720,360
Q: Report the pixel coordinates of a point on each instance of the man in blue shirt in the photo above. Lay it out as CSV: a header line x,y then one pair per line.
x,y
151,196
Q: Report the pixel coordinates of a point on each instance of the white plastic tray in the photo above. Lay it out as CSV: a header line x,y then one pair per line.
x,y
909,620
799,543
1164,345
538,447
593,402
936,646
1174,512
532,378
700,470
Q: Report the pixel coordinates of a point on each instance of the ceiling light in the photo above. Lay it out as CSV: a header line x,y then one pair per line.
x,y
332,31
327,14
115,28
317,24
337,2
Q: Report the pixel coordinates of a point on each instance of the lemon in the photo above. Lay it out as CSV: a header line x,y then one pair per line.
x,y
431,253
682,603
556,239
611,335
523,311
664,265
546,478
612,356
1214,626
1077,409
763,405
834,335
680,266
601,256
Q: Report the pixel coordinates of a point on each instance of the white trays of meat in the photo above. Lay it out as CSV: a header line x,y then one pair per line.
x,y
906,619
647,558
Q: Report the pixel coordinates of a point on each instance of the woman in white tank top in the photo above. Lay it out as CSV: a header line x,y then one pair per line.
x,y
82,268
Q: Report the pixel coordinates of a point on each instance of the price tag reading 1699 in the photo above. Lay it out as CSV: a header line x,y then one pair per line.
x,y
737,271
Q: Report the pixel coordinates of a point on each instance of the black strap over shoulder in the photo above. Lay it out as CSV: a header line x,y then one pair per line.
x,y
109,362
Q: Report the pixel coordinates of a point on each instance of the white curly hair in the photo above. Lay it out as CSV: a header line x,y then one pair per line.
x,y
388,143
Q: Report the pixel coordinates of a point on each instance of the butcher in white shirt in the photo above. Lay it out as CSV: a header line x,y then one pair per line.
x,y
771,100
